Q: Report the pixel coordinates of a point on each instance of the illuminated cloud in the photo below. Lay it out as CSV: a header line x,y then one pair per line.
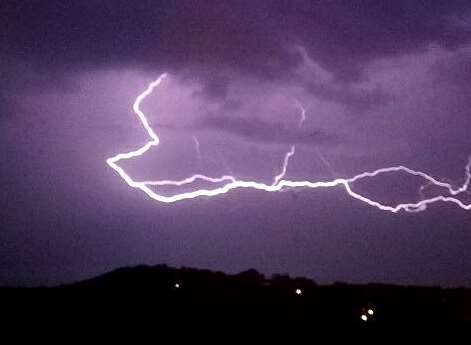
x,y
231,182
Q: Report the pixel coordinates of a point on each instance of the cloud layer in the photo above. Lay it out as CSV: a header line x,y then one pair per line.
x,y
383,82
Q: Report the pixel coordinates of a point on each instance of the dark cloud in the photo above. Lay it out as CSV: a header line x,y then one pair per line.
x,y
455,70
260,131
354,99
216,87
364,30
208,35
5,108
23,76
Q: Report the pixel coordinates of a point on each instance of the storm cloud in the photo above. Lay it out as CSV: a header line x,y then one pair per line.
x,y
256,39
383,83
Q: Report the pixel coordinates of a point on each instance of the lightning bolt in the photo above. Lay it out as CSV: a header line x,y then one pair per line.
x,y
302,118
197,147
279,182
303,112
285,165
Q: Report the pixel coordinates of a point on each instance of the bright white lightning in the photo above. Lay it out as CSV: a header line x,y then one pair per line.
x,y
285,165
280,182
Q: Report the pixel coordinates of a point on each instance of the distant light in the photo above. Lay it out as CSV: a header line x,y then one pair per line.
x,y
298,291
364,317
370,312
177,286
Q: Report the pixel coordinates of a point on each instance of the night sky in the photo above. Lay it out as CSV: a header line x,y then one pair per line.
x,y
385,83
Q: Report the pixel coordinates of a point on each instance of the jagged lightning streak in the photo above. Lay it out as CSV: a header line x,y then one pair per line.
x,y
293,147
280,182
285,165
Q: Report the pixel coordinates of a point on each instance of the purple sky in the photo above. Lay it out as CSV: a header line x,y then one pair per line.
x,y
384,83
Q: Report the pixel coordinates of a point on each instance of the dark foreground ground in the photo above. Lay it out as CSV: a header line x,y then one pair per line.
x,y
180,295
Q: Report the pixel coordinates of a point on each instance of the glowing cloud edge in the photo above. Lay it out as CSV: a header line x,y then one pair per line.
x,y
279,181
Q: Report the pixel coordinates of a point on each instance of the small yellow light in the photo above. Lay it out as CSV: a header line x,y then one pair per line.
x,y
177,286
370,312
298,291
364,317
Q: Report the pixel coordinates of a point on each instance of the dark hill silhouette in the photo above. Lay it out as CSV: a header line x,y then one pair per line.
x,y
194,294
